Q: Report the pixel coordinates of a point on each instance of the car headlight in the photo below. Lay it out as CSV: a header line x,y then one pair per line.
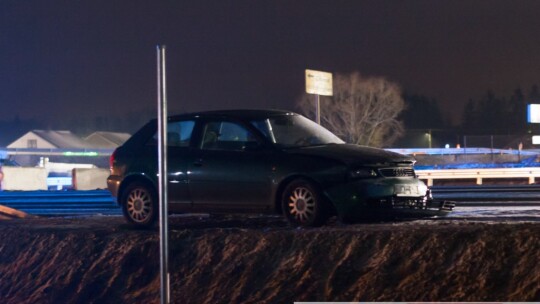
x,y
362,173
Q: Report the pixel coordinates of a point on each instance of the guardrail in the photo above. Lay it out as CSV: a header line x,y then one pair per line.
x,y
460,151
4,152
61,202
478,174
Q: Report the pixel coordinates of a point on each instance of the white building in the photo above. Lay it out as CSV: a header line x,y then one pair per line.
x,y
41,139
106,140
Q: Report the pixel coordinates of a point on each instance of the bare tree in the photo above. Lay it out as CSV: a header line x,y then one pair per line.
x,y
362,111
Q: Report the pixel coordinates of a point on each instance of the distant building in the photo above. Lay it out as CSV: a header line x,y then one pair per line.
x,y
106,140
41,139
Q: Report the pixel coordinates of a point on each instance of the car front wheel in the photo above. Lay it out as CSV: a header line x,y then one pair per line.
x,y
139,205
303,205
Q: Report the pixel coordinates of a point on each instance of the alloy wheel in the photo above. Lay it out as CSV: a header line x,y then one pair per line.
x,y
139,205
302,204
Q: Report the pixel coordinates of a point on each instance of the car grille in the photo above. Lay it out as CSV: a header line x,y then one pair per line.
x,y
397,172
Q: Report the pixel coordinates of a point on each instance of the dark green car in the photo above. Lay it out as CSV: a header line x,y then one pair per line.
x,y
265,161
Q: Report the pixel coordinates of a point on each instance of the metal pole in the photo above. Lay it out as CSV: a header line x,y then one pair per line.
x,y
492,157
465,146
318,100
162,178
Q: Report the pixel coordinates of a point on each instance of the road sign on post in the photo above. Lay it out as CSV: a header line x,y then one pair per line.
x,y
319,83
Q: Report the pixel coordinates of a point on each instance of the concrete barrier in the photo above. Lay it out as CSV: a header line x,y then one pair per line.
x,y
24,178
62,168
89,179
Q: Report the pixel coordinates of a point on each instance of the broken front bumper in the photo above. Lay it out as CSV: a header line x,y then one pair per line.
x,y
412,203
396,208
386,198
406,207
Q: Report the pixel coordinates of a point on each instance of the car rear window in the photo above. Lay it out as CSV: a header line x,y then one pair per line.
x,y
178,134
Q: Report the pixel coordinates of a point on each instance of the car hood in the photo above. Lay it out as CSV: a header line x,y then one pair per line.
x,y
354,154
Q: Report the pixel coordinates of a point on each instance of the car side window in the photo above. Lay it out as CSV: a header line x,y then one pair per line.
x,y
178,133
223,135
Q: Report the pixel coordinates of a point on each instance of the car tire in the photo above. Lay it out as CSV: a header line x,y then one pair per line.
x,y
139,205
303,204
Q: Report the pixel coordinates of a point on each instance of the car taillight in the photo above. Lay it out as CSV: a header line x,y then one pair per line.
x,y
111,160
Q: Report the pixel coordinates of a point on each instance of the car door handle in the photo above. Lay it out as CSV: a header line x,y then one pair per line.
x,y
198,162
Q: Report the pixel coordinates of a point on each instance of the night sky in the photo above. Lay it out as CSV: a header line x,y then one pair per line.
x,y
84,58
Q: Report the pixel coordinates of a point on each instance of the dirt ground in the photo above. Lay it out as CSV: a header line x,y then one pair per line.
x,y
260,259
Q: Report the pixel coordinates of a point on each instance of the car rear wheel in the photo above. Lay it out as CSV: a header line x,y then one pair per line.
x,y
303,205
139,205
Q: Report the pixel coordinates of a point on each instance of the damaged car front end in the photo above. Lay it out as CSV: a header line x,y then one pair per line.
x,y
386,190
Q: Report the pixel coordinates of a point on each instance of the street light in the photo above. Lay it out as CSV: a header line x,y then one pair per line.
x,y
429,138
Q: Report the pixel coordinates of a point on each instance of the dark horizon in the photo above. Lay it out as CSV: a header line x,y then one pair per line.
x,y
62,59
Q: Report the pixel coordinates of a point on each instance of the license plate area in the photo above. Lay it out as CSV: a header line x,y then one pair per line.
x,y
406,190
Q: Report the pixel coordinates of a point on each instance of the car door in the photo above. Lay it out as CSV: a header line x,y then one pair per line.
x,y
231,169
179,153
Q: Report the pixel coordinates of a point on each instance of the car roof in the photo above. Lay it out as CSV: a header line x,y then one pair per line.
x,y
239,114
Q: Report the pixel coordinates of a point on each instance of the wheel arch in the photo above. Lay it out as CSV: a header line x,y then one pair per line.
x,y
128,180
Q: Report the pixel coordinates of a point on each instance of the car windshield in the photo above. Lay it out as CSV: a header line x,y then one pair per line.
x,y
290,131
